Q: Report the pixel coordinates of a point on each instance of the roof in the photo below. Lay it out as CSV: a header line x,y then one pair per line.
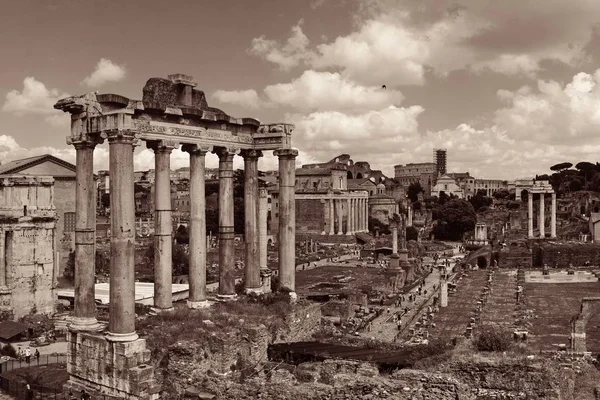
x,y
458,175
357,183
10,329
17,166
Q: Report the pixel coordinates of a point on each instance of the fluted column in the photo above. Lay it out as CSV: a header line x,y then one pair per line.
x,y
121,324
366,208
226,227
85,236
251,235
163,225
287,218
331,217
530,214
553,217
542,222
262,227
359,215
198,243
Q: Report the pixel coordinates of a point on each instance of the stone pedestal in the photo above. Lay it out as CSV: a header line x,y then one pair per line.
x,y
395,261
265,280
116,369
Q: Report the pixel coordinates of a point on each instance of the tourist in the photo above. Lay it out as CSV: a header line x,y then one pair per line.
x,y
27,355
20,353
37,354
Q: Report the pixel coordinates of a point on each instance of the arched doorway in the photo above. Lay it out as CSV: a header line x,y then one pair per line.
x,y
349,174
482,262
359,176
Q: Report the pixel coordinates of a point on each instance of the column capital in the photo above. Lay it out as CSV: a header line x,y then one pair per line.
x,y
251,154
225,152
263,193
84,141
162,146
286,153
125,136
197,149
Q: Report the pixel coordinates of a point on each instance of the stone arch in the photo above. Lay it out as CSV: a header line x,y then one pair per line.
x,y
482,262
349,174
359,176
589,307
270,242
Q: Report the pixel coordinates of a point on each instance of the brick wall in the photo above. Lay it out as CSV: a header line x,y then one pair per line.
x,y
309,216
563,254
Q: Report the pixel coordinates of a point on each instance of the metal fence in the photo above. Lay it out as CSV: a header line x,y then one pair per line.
x,y
33,361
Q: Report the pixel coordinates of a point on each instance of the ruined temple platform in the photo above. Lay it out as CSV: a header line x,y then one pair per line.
x,y
560,277
144,293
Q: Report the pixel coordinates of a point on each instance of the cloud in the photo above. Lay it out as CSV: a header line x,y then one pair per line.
x,y
323,91
287,55
244,98
329,91
35,98
397,41
106,71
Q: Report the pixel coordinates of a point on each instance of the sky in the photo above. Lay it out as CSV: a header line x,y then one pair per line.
x,y
508,87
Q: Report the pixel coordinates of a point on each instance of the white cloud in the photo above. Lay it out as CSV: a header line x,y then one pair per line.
x,y
244,98
286,56
396,41
35,98
106,71
329,91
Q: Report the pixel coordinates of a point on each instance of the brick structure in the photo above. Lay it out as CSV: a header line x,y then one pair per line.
x,y
28,269
64,196
589,307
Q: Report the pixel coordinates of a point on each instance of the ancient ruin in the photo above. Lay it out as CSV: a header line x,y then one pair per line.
x,y
542,188
28,246
172,113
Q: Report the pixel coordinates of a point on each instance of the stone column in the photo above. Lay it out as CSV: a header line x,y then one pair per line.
x,y
121,324
366,208
251,235
262,227
410,216
287,218
394,238
85,237
331,217
361,222
530,215
163,225
226,228
198,239
443,290
350,227
542,222
553,217
340,215
3,265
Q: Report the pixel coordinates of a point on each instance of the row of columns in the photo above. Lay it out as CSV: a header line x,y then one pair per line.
x,y
541,216
122,280
358,215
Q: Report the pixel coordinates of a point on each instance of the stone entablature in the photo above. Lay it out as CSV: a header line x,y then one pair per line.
x,y
541,188
28,265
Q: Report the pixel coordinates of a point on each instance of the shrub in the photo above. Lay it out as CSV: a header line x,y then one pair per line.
x,y
9,351
493,340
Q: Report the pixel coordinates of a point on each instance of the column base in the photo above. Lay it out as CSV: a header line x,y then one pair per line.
x,y
81,324
253,290
158,310
227,297
198,304
121,337
349,233
340,233
323,233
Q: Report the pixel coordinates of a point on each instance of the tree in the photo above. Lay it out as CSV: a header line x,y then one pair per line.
x,y
411,233
561,166
587,170
181,235
502,194
413,191
480,200
443,198
595,183
105,200
212,221
181,260
376,225
454,218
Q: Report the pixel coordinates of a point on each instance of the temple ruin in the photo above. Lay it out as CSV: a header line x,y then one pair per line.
x,y
172,113
28,246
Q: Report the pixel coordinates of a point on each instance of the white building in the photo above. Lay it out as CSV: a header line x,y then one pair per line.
x,y
447,185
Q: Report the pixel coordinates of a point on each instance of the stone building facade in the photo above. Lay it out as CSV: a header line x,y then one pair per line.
x,y
63,197
28,268
447,185
354,170
382,206
423,173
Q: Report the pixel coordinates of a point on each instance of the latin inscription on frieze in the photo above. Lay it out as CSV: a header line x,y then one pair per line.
x,y
190,131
